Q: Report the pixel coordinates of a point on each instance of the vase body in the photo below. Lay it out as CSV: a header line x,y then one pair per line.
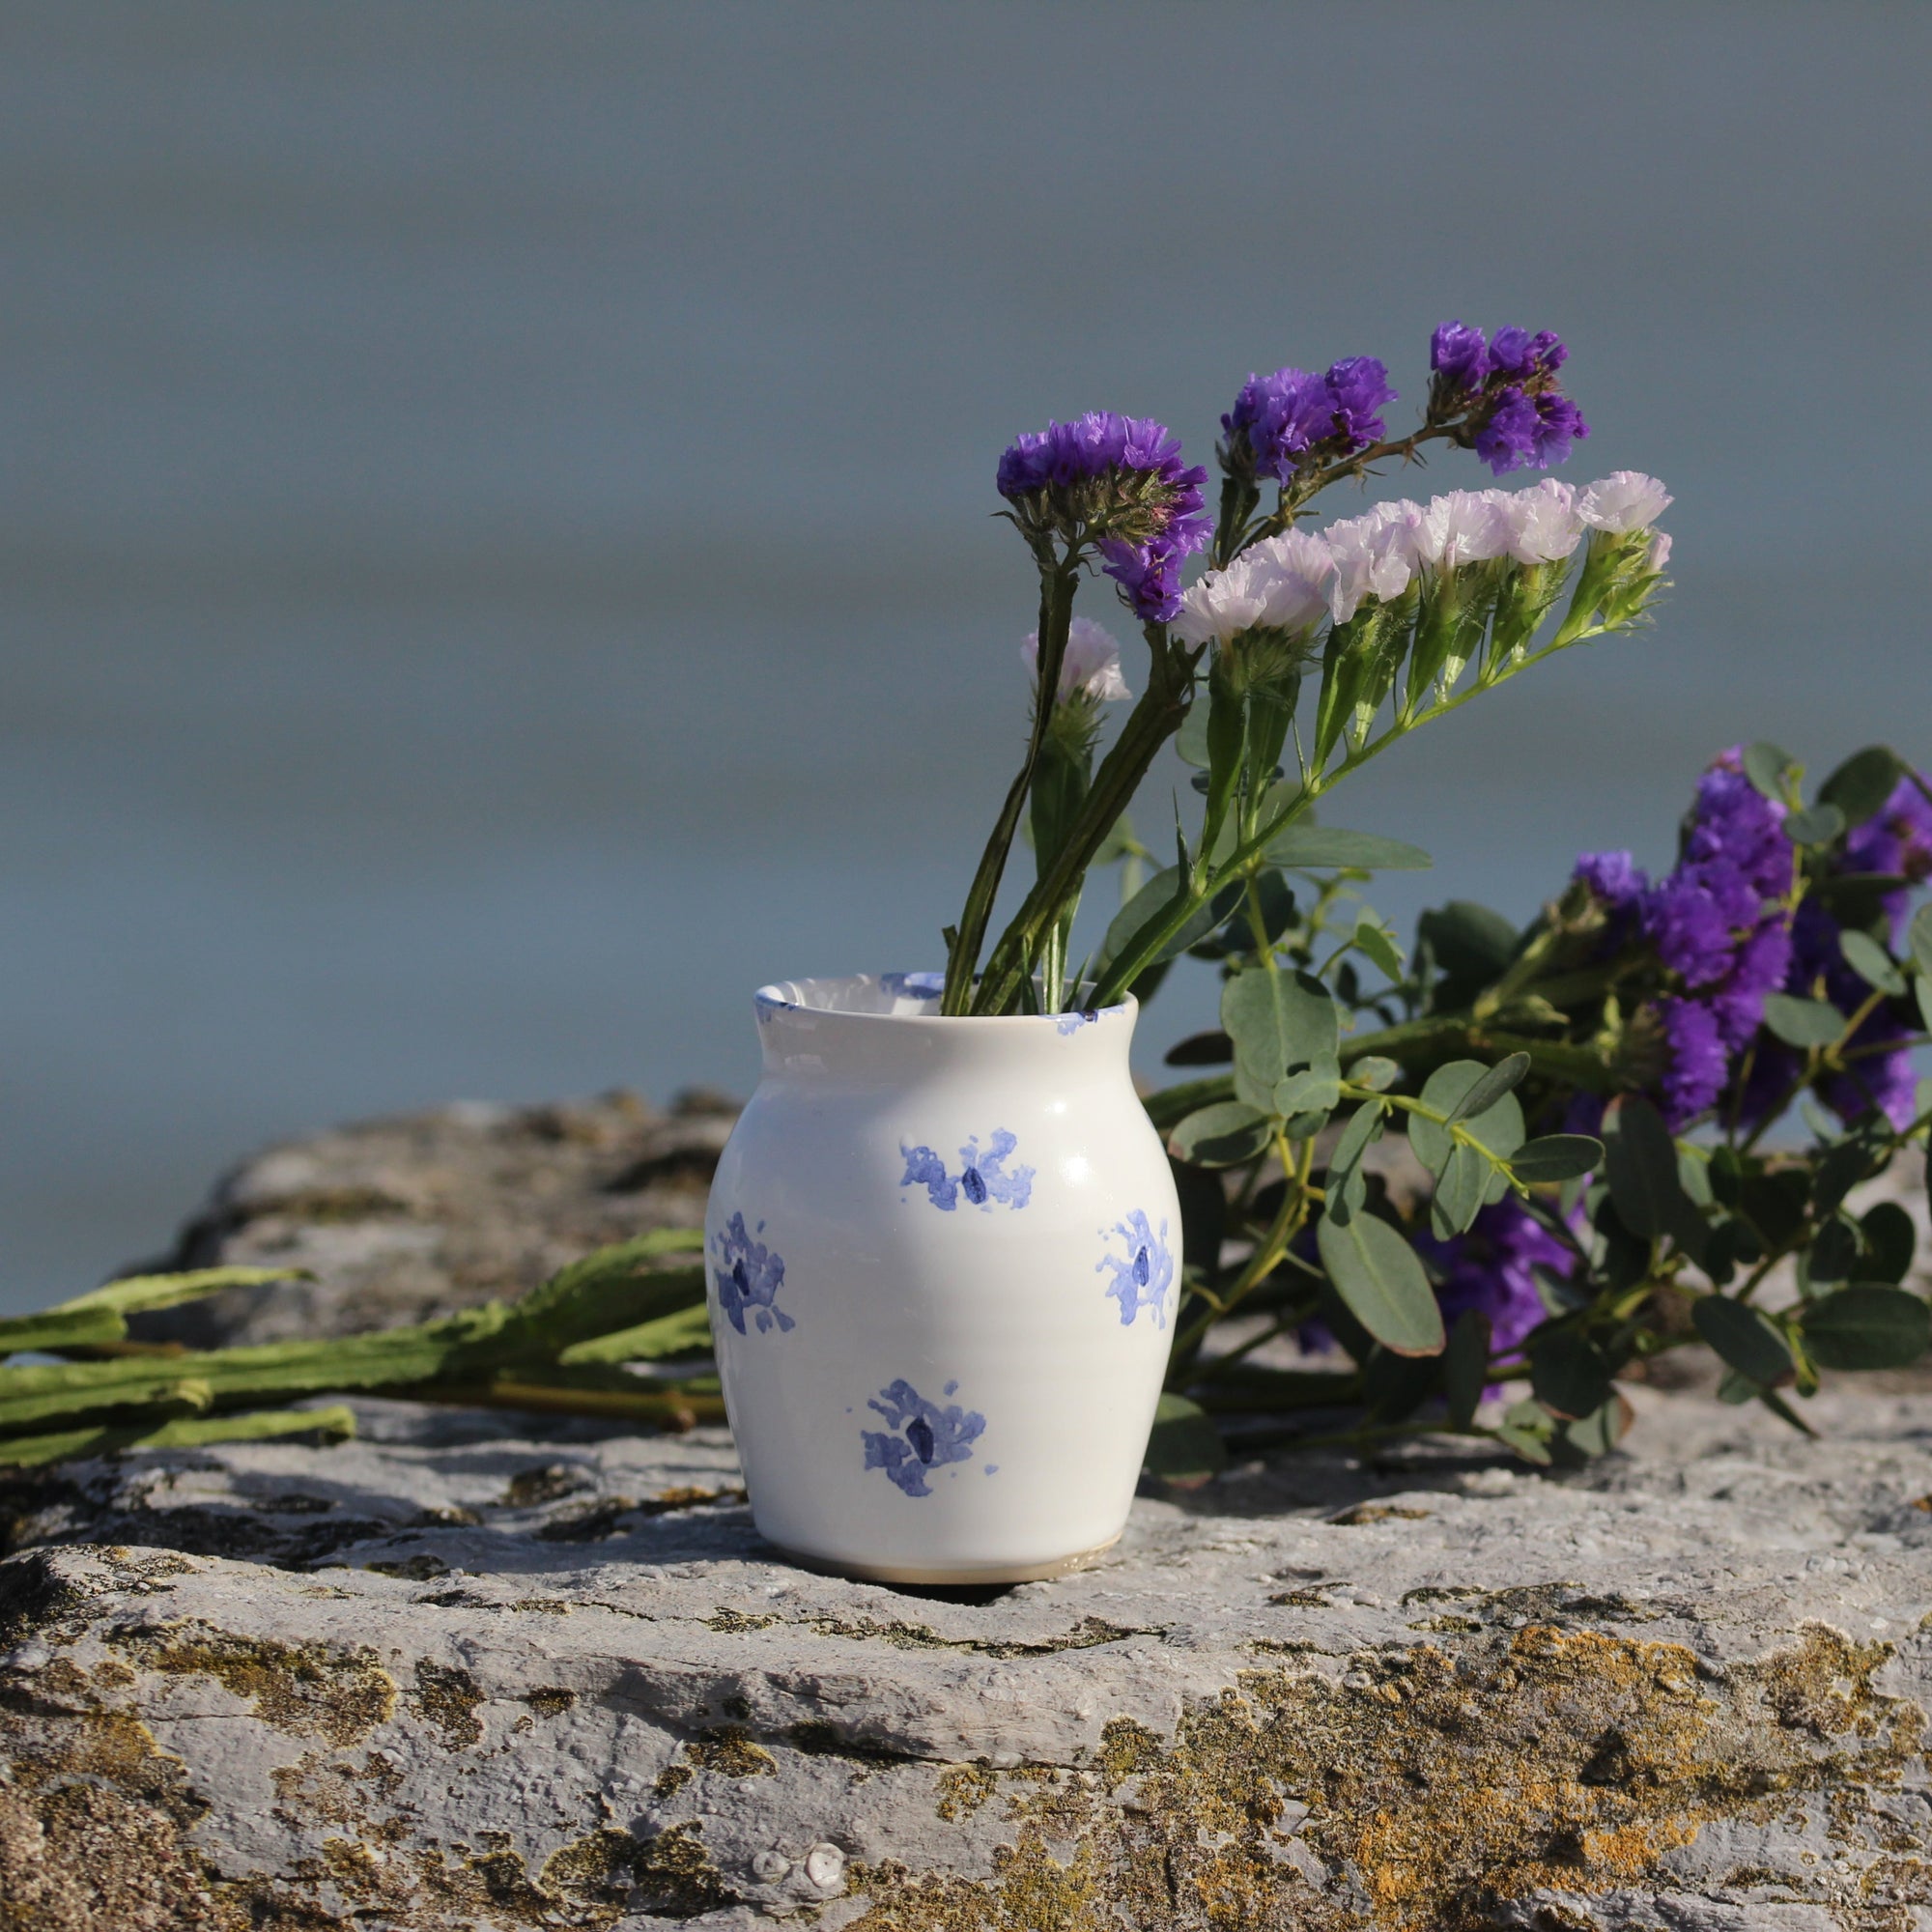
x,y
944,1263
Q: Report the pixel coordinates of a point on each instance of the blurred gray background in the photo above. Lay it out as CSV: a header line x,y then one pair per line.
x,y
496,558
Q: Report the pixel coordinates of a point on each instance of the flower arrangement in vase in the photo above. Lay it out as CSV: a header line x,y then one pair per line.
x,y
962,1274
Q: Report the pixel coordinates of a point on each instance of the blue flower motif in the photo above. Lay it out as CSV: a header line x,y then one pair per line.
x,y
1144,1274
919,1435
749,1276
913,986
1071,1023
982,1179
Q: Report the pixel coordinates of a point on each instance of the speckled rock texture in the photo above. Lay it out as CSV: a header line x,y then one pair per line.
x,y
457,1675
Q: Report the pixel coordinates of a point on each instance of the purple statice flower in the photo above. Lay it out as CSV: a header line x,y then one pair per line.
x,y
1458,356
1614,877
1089,479
1559,423
1888,1081
1759,968
1698,1066
1278,419
1506,439
1896,841
1490,1269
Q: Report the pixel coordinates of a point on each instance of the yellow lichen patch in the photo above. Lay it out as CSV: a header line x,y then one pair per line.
x,y
1428,1789
963,1788
730,1754
447,1697
339,1693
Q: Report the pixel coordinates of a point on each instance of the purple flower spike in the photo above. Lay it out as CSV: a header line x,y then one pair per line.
x,y
1281,418
1699,1062
1559,423
1357,387
1507,439
1460,356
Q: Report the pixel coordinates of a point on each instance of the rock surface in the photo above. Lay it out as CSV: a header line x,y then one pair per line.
x,y
454,1675
473,1670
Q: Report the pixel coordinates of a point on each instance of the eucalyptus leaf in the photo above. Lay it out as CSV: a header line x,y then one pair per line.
x,y
1835,1253
1383,1284
1818,825
1765,766
1190,742
1184,1448
1372,941
1309,1091
1345,1186
1802,1023
1920,938
1279,1022
1223,1135
1869,1325
1568,1372
1200,1049
1504,1077
1556,1158
1599,1432
1374,1072
1870,961
1499,1127
1744,1339
1460,1193
1641,1164
1530,1447
1151,905
1860,787
1318,847
1465,1367
1889,1238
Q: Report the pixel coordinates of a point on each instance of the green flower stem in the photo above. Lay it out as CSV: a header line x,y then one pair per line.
x,y
1250,851
1153,719
1059,578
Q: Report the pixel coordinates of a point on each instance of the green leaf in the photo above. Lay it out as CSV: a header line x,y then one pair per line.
x,y
1459,1192
1504,1077
1381,1283
1528,1446
684,1333
1599,1432
1835,1253
1744,1339
1817,826
1317,847
1395,1386
1184,1448
1920,938
1860,787
1200,1049
1641,1164
1223,1135
1472,945
333,1423
1569,1373
1764,765
134,1294
1854,1159
1889,1238
1345,1188
1870,961
612,1288
1556,1158
1499,1127
1151,905
1374,1072
1309,1091
1190,742
1867,1325
1465,1367
1802,1023
1377,944
1279,1022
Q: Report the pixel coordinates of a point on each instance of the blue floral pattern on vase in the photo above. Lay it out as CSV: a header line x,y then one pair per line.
x,y
982,1179
919,1435
748,1277
1070,1023
1142,1276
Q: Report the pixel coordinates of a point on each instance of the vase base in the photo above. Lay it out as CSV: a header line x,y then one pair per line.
x,y
943,1574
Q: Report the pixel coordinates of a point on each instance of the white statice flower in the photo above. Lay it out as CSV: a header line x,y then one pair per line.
x,y
1090,664
1463,527
1375,555
1660,549
1280,585
1623,500
1544,524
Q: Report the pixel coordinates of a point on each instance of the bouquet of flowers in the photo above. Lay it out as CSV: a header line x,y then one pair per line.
x,y
1587,1101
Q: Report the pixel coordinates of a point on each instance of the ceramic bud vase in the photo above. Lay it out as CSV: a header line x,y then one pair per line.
x,y
944,1261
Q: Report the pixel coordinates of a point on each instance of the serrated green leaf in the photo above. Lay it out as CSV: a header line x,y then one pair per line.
x,y
1819,825
1223,1135
1765,766
1744,1339
138,1293
1802,1023
1499,1127
1311,848
1872,962
1465,1367
1869,1325
1383,1284
1184,1447
1860,787
1556,1158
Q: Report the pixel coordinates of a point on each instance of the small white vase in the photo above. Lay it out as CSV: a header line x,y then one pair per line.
x,y
943,1260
